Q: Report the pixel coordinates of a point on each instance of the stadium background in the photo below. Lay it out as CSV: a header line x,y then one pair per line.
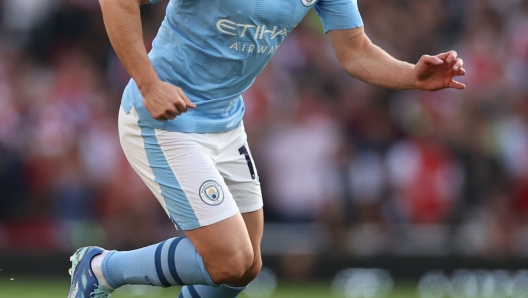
x,y
426,193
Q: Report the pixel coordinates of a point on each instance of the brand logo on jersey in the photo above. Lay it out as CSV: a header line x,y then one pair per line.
x,y
258,31
211,193
308,2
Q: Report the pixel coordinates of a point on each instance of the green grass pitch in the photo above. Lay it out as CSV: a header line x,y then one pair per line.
x,y
56,287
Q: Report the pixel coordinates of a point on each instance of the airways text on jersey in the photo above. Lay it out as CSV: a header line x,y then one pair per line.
x,y
254,48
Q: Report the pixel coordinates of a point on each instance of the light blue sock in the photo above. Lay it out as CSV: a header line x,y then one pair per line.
x,y
199,291
171,262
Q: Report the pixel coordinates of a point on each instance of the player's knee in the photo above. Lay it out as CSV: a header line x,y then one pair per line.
x,y
249,275
232,268
252,272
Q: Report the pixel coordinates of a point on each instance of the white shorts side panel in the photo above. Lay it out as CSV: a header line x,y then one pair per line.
x,y
239,171
195,171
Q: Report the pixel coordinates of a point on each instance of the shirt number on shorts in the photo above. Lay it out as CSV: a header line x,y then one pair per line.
x,y
243,151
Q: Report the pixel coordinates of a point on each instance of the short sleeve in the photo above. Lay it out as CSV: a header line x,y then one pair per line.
x,y
154,1
338,14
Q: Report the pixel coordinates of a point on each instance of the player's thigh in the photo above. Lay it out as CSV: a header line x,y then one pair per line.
x,y
255,225
179,171
254,222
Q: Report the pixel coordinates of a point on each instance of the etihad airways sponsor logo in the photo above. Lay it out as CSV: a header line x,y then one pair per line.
x,y
258,31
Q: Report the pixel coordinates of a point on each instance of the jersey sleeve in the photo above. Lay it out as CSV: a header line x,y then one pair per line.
x,y
338,14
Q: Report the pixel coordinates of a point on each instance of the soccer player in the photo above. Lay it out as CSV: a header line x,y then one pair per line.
x,y
181,129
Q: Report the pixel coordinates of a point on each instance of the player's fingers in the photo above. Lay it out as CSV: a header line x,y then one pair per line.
x,y
448,56
431,60
457,85
460,72
443,56
159,117
169,113
186,100
452,56
458,64
180,105
173,113
166,117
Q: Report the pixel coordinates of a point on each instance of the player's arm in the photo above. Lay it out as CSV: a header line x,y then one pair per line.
x,y
362,59
123,25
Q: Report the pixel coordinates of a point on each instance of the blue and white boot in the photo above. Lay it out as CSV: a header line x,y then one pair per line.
x,y
84,283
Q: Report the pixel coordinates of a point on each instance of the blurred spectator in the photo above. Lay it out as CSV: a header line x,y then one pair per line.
x,y
299,163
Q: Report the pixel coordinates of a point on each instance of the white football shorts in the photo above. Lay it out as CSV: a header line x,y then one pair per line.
x,y
199,179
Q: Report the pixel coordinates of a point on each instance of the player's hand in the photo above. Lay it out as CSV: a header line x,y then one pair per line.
x,y
165,101
438,72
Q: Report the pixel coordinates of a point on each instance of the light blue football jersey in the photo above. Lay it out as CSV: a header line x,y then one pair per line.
x,y
214,49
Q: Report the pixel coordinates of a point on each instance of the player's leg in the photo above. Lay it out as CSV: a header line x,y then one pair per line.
x,y
209,256
237,167
254,222
227,256
225,248
255,225
201,204
180,170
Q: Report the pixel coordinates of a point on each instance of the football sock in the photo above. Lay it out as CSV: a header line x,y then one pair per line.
x,y
172,262
223,291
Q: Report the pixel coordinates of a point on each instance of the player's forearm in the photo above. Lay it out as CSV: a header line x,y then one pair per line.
x,y
367,62
123,25
373,65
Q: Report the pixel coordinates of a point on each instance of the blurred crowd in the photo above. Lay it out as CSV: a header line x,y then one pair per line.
x,y
329,149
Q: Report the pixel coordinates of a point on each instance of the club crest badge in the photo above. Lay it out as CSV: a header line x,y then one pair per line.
x,y
211,193
308,2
